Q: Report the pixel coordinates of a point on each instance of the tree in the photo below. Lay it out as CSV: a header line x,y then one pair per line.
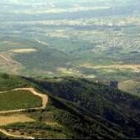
x,y
5,76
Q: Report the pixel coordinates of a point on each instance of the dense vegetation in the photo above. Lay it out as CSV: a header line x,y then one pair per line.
x,y
2,136
9,82
107,105
79,108
40,130
79,122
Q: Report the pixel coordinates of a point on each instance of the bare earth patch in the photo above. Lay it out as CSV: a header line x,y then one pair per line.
x,y
8,64
68,71
12,43
135,68
53,124
129,86
15,118
24,50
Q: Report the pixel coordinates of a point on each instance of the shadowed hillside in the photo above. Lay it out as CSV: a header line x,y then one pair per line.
x,y
103,103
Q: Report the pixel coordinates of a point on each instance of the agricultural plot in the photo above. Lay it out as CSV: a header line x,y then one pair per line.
x,y
14,118
14,100
57,38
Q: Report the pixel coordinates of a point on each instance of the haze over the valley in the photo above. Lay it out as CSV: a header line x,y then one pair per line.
x,y
70,69
81,38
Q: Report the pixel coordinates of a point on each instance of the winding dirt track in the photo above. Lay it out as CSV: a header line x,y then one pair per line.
x,y
44,103
44,98
15,136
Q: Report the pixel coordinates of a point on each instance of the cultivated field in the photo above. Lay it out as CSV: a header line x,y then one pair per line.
x,y
14,100
57,38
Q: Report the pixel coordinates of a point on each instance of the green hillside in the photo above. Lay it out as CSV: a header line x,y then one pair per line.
x,y
77,108
13,100
116,113
66,53
62,118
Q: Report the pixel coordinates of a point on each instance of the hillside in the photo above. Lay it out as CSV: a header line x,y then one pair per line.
x,y
57,60
85,109
77,108
60,119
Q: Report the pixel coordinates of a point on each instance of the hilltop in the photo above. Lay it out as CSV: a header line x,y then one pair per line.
x,y
77,108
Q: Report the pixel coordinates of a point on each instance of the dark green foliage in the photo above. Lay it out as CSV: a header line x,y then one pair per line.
x,y
4,76
8,82
84,109
82,127
34,127
117,107
2,136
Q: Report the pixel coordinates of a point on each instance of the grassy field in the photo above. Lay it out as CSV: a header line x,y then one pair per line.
x,y
18,100
9,82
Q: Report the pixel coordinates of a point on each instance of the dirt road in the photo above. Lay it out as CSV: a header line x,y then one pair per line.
x,y
44,98
15,136
6,59
44,103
